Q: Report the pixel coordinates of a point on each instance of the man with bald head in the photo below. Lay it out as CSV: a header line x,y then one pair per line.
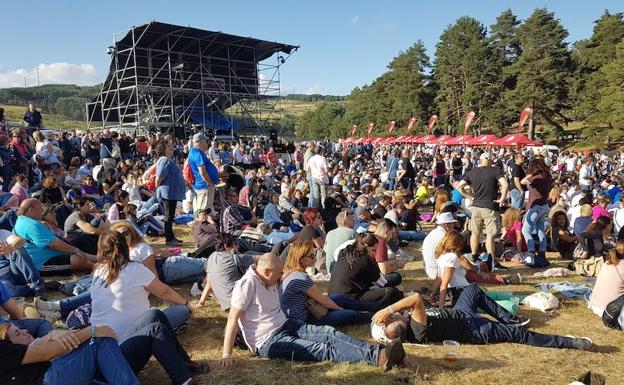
x,y
255,307
48,252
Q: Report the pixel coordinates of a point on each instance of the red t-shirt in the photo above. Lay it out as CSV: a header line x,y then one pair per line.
x,y
381,253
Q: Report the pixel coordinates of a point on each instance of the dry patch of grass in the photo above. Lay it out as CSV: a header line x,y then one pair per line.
x,y
500,364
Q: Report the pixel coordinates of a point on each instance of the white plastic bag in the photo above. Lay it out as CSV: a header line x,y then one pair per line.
x,y
545,302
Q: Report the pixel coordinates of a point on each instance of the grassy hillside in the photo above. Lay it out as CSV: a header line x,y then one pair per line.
x,y
14,114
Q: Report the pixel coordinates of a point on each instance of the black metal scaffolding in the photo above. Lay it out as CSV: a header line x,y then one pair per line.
x,y
164,76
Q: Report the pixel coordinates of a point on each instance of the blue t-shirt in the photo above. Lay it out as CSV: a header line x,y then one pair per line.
x,y
4,294
456,197
197,158
173,186
293,294
37,237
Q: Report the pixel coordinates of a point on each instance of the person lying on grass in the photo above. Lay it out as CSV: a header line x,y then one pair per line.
x,y
268,333
462,323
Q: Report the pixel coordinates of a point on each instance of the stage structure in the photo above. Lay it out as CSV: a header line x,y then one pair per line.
x,y
164,77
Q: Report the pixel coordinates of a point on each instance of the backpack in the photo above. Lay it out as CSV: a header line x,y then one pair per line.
x,y
150,178
611,314
187,173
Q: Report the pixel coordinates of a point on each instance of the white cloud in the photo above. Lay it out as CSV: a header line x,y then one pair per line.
x,y
52,73
315,89
354,20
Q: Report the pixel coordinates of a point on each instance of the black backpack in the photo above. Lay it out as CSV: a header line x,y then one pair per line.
x,y
612,313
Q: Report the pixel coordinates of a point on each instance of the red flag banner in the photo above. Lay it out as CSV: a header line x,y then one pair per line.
x,y
353,129
469,118
432,121
410,124
391,126
370,127
525,115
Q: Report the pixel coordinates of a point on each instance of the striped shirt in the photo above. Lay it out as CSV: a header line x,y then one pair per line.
x,y
293,294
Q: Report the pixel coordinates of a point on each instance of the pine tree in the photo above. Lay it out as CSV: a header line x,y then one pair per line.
x,y
543,69
610,107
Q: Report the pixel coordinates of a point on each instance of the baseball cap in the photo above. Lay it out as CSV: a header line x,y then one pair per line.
x,y
444,218
199,137
485,156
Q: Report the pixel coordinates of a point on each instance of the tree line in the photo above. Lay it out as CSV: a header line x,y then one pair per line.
x,y
494,72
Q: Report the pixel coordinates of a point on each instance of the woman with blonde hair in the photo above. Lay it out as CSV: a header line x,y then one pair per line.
x,y
512,229
299,292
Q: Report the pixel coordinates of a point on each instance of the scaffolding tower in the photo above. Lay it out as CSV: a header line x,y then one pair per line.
x,y
164,77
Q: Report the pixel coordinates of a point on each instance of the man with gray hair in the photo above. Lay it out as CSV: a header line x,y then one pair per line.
x,y
255,307
205,173
485,182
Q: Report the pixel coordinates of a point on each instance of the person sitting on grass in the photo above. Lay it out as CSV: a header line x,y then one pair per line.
x,y
463,324
456,273
298,289
512,230
609,288
48,252
63,357
17,270
269,334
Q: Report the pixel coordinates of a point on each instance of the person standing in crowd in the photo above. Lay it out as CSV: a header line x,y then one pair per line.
x,y
317,170
539,181
33,119
171,188
587,174
406,173
517,175
485,183
205,173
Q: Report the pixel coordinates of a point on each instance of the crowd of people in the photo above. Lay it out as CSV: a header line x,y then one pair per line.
x,y
269,222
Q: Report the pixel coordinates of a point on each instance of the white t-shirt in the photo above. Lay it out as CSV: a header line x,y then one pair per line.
x,y
459,275
317,165
133,190
140,252
430,243
570,164
585,174
392,215
123,302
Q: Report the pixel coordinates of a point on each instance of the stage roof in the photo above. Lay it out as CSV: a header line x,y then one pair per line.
x,y
152,35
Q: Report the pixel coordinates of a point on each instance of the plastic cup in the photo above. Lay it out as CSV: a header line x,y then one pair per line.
x,y
451,351
20,302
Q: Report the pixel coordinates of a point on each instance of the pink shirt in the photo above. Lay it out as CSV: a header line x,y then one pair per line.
x,y
609,286
20,192
513,233
263,315
598,211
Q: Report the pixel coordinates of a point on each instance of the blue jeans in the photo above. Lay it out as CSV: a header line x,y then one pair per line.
x,y
483,331
353,312
35,327
71,303
181,269
8,219
80,366
154,335
517,199
177,315
298,341
315,193
409,235
21,277
391,183
534,221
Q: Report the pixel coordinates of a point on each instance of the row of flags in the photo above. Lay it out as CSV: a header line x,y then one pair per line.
x,y
525,115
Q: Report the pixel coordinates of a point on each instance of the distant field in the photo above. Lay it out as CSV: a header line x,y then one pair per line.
x,y
297,108
14,114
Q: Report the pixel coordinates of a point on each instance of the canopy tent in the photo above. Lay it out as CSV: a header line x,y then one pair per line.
x,y
483,140
515,140
461,140
401,139
414,139
442,140
388,140
426,139
349,140
376,141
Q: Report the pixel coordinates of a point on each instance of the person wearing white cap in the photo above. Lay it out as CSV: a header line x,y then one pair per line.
x,y
446,222
205,173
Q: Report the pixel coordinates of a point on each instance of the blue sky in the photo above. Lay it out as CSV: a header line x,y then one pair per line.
x,y
344,44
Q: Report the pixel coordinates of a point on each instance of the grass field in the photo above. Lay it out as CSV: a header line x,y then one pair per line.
x,y
15,114
501,364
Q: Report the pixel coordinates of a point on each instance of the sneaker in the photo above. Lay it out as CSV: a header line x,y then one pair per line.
x,y
41,304
195,290
581,343
173,243
521,320
498,266
181,329
514,279
391,355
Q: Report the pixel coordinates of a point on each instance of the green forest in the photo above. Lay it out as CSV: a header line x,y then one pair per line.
x,y
495,71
